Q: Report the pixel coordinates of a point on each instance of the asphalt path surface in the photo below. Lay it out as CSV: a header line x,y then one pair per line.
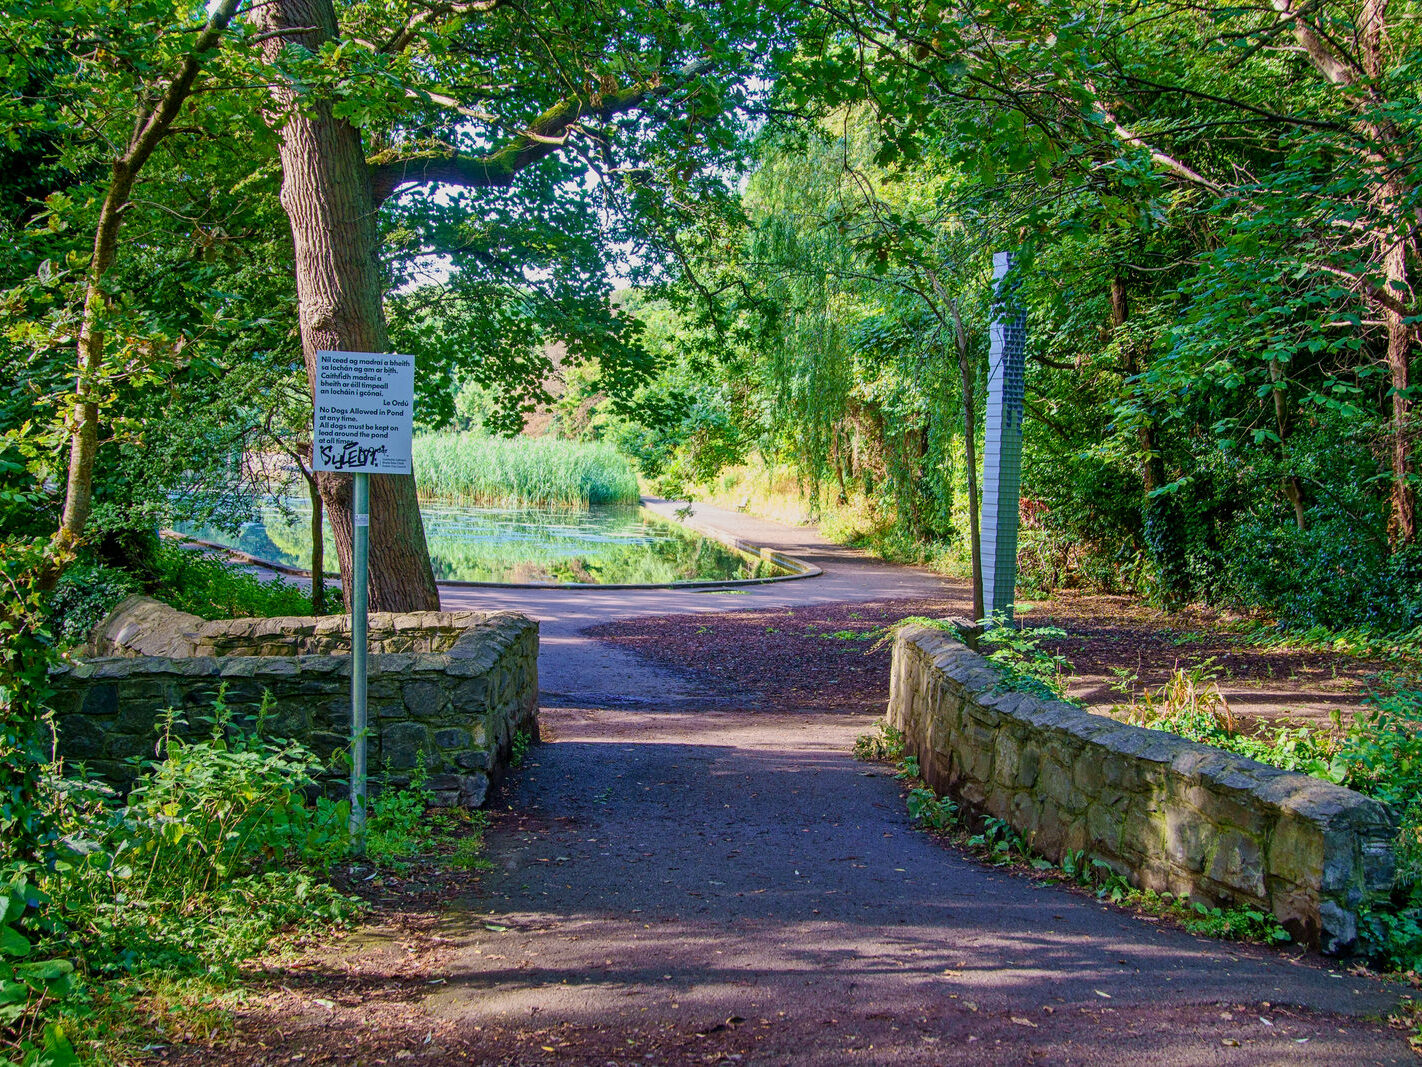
x,y
687,877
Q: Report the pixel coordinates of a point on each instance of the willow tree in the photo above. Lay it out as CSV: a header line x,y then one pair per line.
x,y
381,104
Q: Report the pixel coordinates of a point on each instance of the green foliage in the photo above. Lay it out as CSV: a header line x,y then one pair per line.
x,y
1334,575
936,814
1191,705
213,587
215,850
1025,666
397,826
85,594
29,987
27,650
475,469
886,744
403,826
201,583
518,750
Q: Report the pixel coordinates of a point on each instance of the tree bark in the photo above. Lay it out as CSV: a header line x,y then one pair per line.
x,y
318,550
1402,529
327,194
153,122
1389,155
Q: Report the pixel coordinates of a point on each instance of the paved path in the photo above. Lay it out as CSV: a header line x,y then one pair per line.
x,y
686,879
574,669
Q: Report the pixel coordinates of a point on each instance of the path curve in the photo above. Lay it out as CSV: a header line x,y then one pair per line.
x,y
686,878
576,669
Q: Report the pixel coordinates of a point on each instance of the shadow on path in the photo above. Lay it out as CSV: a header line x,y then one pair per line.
x,y
673,870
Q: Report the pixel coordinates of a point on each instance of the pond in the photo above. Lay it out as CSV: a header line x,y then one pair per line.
x,y
601,545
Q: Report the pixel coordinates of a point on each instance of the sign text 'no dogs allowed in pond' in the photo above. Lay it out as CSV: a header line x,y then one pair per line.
x,y
364,412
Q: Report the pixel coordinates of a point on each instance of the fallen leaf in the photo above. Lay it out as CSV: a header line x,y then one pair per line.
x,y
1101,994
1231,1042
1024,1022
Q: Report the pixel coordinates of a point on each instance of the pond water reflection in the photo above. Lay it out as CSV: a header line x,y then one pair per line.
x,y
603,545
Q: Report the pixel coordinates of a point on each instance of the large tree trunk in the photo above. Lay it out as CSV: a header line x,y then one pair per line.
x,y
1402,527
326,192
1388,153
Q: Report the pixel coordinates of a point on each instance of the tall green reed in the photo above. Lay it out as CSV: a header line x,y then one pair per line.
x,y
471,468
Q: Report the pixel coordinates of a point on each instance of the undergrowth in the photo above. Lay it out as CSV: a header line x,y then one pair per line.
x,y
136,927
200,583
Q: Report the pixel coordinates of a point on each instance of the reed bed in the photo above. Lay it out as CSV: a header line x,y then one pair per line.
x,y
470,468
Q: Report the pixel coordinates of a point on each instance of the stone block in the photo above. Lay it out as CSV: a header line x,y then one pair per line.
x,y
451,737
471,695
82,737
402,743
101,701
1238,863
424,700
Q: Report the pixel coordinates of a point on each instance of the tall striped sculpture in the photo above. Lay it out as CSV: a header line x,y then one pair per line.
x,y
1002,444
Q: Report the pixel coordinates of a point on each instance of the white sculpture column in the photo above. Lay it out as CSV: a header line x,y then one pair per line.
x,y
1002,444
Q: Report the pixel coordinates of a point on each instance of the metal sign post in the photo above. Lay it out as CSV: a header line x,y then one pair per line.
x,y
360,645
1002,446
363,422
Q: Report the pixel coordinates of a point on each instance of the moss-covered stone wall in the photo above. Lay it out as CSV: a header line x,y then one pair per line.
x,y
450,689
1166,813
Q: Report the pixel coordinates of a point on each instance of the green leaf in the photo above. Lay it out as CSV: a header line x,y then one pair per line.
x,y
13,943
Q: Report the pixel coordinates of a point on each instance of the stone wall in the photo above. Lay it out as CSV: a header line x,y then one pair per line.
x,y
449,687
141,626
1168,814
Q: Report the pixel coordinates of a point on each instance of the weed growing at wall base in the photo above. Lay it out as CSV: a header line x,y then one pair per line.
x,y
999,843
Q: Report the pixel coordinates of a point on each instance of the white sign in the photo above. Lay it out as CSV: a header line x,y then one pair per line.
x,y
365,405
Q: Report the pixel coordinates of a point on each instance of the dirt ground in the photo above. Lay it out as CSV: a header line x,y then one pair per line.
x,y
1105,634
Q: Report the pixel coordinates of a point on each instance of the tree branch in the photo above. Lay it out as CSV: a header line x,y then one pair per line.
x,y
538,140
405,35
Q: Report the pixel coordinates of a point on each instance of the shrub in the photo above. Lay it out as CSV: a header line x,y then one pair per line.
x,y
1337,574
215,850
84,595
213,587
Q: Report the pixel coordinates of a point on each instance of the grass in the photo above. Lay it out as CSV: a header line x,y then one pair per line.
x,y
471,468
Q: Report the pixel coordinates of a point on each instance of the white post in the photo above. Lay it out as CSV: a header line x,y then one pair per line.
x,y
1002,445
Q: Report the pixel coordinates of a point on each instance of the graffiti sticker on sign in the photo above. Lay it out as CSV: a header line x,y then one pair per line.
x,y
365,403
